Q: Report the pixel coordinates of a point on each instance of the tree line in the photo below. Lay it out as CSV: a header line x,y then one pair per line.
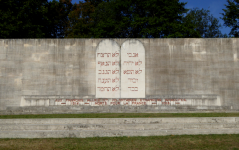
x,y
113,19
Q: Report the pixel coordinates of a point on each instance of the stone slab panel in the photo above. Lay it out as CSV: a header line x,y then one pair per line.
x,y
108,70
132,69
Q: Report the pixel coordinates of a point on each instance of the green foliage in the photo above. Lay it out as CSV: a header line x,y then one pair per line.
x,y
33,18
22,18
80,20
231,17
57,18
95,3
204,23
139,19
110,19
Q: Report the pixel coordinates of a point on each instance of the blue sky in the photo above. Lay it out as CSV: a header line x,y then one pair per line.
x,y
215,7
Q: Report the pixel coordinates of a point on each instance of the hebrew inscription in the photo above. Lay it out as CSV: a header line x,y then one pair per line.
x,y
132,69
108,69
120,73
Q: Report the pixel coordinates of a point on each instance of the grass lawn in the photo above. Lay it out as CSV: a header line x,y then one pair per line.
x,y
173,142
121,115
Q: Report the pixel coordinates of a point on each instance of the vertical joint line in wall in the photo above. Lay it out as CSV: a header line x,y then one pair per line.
x,y
120,70
171,55
57,49
220,46
170,51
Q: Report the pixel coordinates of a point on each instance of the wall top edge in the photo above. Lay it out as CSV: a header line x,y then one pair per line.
x,y
112,38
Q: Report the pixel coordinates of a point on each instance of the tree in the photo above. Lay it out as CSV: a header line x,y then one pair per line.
x,y
95,3
80,21
129,19
57,18
33,18
231,17
140,19
22,18
204,23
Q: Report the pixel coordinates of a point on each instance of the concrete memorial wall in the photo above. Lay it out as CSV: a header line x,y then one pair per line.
x,y
127,72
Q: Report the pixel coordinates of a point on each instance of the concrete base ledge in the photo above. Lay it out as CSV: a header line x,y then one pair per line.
x,y
113,109
106,127
122,120
113,127
111,133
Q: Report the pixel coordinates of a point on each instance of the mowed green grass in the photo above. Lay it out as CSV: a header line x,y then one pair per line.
x,y
173,142
121,115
